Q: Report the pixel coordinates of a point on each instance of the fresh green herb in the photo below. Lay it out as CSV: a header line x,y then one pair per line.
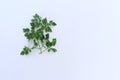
x,y
39,35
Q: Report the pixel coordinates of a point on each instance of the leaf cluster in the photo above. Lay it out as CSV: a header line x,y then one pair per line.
x,y
39,34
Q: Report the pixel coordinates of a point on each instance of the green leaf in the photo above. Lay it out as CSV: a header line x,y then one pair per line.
x,y
26,29
36,21
43,27
48,43
54,42
36,36
25,51
22,53
26,35
39,31
32,24
47,36
42,37
48,29
44,21
29,36
52,23
36,16
52,49
35,42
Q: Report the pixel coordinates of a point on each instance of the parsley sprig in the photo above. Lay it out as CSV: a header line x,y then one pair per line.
x,y
39,35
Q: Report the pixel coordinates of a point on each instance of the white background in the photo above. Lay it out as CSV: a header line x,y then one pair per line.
x,y
88,34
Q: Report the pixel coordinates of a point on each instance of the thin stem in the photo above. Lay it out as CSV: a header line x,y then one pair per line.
x,y
44,50
40,48
38,44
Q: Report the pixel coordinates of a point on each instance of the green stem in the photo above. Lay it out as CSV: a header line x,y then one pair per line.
x,y
44,50
40,48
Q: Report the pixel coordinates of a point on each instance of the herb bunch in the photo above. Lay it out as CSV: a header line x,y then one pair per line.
x,y
39,35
